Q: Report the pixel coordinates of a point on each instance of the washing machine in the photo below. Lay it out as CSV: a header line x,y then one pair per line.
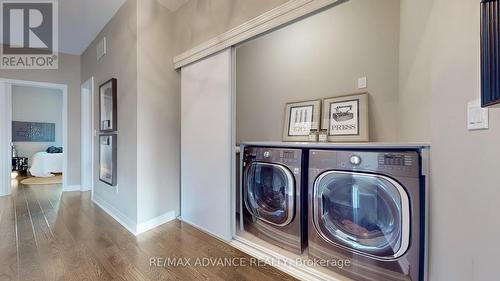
x,y
367,214
272,187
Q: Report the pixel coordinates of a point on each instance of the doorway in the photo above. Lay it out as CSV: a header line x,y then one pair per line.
x,y
87,134
6,118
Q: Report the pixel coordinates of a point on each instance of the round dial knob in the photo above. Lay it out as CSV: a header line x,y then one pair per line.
x,y
355,160
267,154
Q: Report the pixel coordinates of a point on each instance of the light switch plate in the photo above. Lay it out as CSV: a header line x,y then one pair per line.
x,y
477,117
362,83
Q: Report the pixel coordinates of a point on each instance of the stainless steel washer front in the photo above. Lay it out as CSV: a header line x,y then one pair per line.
x,y
272,196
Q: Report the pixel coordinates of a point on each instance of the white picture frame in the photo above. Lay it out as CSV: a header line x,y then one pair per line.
x,y
346,118
300,118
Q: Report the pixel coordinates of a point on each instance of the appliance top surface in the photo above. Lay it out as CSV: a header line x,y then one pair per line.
x,y
314,145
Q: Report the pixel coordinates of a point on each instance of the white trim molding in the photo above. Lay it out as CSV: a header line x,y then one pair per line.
x,y
274,18
116,214
155,222
6,119
291,267
89,84
128,223
5,140
71,188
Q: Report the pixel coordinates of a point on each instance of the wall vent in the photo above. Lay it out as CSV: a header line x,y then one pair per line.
x,y
101,48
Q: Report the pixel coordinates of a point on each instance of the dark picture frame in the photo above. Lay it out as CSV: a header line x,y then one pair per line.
x,y
108,113
108,159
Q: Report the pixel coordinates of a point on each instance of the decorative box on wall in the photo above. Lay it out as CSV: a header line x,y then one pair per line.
x,y
108,119
490,57
108,106
107,159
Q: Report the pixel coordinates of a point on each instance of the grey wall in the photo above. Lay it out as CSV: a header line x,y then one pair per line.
x,y
158,114
140,51
321,56
440,73
121,63
68,73
31,104
200,20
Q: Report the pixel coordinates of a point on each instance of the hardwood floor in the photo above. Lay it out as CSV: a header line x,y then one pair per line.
x,y
49,235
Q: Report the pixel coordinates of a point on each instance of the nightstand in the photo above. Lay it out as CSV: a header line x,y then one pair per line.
x,y
20,164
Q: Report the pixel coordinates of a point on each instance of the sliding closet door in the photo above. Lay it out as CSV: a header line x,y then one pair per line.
x,y
207,144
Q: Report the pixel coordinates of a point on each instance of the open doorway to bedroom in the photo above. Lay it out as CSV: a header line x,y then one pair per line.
x,y
33,125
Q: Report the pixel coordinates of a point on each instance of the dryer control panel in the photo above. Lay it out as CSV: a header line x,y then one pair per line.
x,y
397,163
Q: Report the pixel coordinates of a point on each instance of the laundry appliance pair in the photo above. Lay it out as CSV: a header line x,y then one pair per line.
x,y
363,206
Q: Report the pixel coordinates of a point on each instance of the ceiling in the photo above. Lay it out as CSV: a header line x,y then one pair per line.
x,y
80,21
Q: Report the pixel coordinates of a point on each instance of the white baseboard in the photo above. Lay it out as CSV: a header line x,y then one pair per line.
x,y
84,189
297,270
116,214
205,230
155,222
71,188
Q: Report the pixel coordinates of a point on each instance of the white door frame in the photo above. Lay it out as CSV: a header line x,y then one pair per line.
x,y
6,129
89,84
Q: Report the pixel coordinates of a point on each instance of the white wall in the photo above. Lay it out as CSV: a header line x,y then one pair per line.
x,y
440,73
32,104
318,57
158,116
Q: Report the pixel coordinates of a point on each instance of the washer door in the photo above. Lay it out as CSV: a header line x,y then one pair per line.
x,y
365,213
270,192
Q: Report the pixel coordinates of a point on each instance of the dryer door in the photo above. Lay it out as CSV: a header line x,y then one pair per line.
x,y
365,213
270,192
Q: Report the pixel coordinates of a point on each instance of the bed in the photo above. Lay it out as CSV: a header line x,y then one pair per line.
x,y
44,164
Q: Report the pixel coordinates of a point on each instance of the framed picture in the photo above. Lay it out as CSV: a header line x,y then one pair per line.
x,y
107,106
107,159
346,118
300,118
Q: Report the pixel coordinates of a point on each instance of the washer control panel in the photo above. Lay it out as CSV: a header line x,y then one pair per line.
x,y
355,160
277,155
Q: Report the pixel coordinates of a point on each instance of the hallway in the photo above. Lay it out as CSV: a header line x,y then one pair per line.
x,y
50,235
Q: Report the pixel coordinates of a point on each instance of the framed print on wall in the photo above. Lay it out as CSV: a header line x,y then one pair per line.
x,y
108,159
108,106
346,118
300,118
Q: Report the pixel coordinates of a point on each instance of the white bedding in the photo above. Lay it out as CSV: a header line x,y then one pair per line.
x,y
44,164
